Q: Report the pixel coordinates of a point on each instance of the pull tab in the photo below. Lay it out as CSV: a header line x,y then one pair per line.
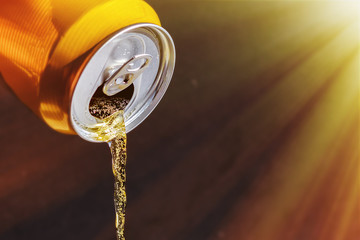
x,y
126,75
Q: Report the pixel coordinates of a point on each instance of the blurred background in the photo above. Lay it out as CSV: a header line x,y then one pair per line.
x,y
257,137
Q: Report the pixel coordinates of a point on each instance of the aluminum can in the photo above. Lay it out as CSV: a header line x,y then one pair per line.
x,y
55,54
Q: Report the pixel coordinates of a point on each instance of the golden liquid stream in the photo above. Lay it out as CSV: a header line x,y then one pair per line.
x,y
105,109
118,152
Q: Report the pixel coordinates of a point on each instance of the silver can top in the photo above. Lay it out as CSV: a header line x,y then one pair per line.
x,y
141,55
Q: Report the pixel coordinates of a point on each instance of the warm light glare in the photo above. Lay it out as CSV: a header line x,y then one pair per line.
x,y
312,189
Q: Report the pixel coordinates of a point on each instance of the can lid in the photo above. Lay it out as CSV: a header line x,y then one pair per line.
x,y
142,55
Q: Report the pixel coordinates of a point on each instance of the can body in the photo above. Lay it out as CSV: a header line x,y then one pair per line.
x,y
46,44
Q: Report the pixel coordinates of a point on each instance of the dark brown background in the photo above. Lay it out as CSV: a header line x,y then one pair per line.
x,y
193,163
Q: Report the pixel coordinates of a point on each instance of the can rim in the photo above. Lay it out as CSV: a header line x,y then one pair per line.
x,y
81,119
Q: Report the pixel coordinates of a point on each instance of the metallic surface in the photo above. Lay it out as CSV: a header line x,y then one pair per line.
x,y
45,44
124,56
125,75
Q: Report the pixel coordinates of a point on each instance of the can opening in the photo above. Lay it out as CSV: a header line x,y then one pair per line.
x,y
118,101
